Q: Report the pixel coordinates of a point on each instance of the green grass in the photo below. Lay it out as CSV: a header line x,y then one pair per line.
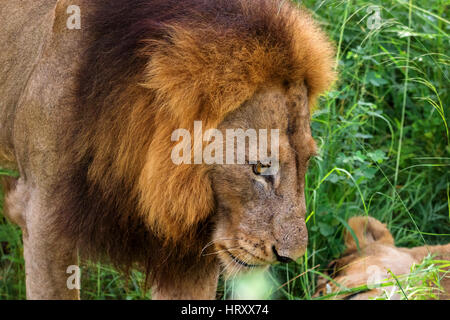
x,y
384,149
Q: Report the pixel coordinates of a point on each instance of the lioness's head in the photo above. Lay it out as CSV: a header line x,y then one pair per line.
x,y
260,216
373,263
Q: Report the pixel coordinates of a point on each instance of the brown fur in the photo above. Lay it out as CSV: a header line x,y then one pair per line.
x,y
148,67
377,250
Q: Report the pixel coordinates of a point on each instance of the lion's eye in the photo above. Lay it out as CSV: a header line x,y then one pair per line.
x,y
260,169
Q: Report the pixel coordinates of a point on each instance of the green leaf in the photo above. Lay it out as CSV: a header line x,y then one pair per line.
x,y
378,156
325,229
375,79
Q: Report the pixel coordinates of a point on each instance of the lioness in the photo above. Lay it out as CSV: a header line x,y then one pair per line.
x,y
378,254
88,108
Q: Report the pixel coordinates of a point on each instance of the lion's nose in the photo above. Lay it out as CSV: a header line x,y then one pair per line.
x,y
281,259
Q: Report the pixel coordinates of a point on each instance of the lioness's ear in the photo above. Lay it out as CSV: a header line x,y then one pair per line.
x,y
367,230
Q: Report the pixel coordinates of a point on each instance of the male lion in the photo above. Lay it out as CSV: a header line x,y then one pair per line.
x,y
86,117
376,257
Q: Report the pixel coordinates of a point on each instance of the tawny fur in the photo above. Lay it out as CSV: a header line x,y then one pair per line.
x,y
378,253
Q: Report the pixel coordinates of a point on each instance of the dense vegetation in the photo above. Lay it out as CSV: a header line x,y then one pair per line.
x,y
384,146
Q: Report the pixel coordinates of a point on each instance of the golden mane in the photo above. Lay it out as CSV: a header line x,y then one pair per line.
x,y
153,66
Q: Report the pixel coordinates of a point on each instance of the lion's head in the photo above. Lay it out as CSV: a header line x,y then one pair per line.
x,y
228,64
260,71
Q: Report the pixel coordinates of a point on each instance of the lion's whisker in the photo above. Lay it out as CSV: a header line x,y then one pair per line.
x,y
219,251
230,264
213,241
223,272
238,268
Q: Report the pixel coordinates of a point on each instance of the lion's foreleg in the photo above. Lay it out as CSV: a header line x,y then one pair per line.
x,y
46,265
47,256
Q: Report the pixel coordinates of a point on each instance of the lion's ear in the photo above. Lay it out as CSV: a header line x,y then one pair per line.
x,y
367,230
